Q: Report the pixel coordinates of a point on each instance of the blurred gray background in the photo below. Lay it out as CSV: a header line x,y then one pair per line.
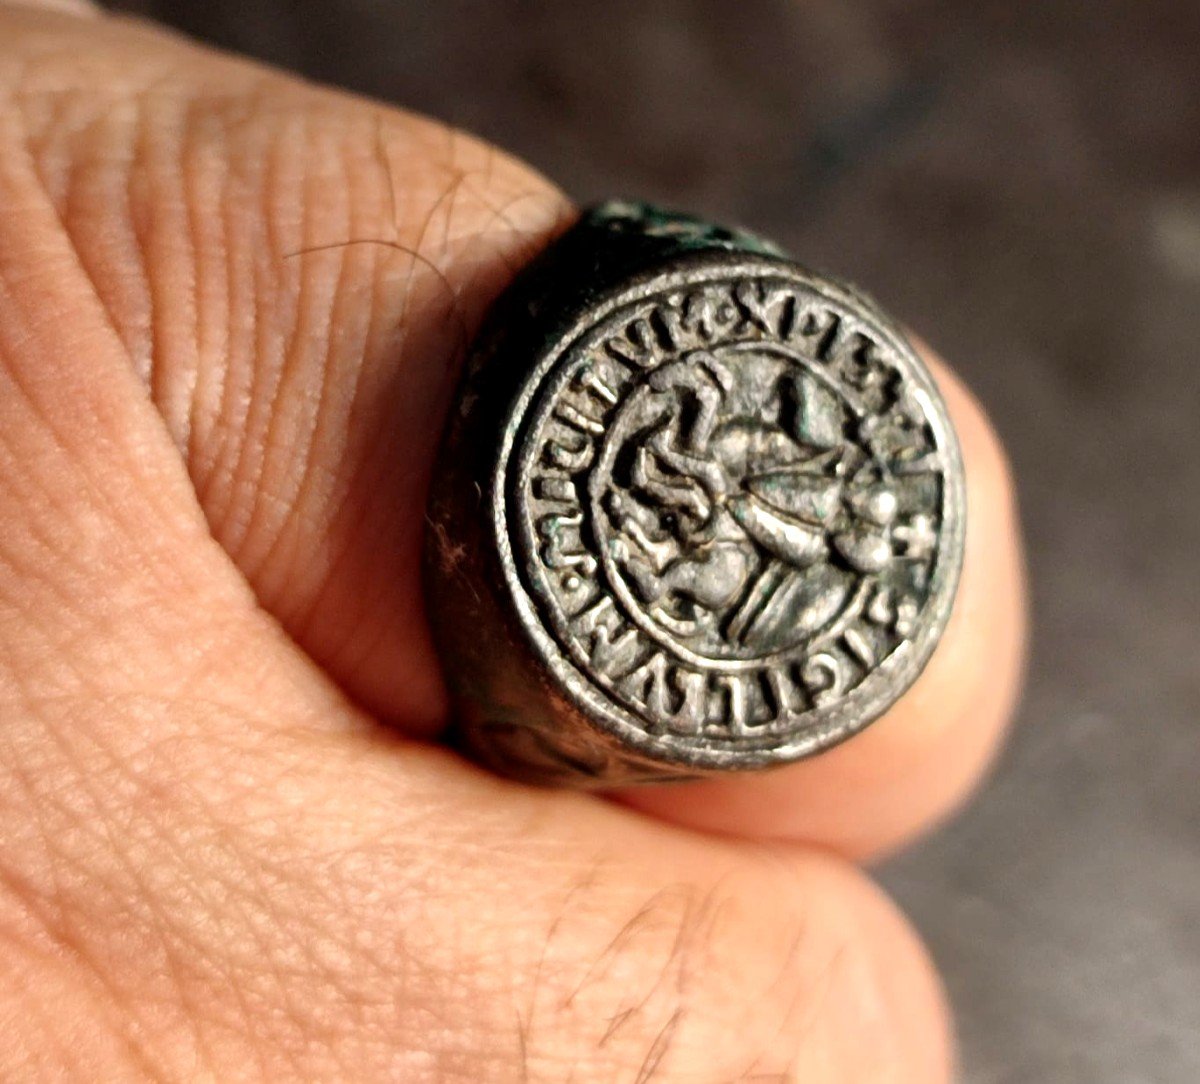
x,y
1021,182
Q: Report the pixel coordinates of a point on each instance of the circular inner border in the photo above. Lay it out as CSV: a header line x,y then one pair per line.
x,y
621,589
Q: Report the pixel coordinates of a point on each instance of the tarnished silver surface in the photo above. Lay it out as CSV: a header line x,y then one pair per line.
x,y
702,512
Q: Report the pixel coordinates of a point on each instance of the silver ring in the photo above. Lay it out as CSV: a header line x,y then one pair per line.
x,y
698,510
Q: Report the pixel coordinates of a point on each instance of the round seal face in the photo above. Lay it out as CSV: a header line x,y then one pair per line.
x,y
730,512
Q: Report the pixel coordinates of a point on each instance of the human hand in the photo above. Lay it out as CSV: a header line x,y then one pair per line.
x,y
230,307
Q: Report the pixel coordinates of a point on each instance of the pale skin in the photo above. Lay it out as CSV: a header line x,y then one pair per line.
x,y
231,305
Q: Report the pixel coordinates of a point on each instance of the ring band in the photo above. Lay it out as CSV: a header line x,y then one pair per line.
x,y
697,509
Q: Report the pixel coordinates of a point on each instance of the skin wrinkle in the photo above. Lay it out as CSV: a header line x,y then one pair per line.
x,y
234,425
59,926
565,217
353,650
332,378
137,181
167,242
263,410
98,491
385,164
313,600
49,1012
788,970
117,761
338,395
45,569
353,513
229,417
26,389
117,824
316,403
190,166
119,259
21,886
282,992
247,885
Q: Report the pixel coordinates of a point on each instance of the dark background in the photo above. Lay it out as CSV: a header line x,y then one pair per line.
x,y
1020,182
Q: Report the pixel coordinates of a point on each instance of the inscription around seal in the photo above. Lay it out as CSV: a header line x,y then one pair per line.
x,y
730,506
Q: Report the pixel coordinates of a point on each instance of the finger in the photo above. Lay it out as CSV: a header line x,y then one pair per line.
x,y
916,764
294,273
330,919
111,587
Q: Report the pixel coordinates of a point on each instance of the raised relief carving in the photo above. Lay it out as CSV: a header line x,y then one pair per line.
x,y
755,494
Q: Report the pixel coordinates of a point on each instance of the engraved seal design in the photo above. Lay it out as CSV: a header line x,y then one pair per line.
x,y
731,511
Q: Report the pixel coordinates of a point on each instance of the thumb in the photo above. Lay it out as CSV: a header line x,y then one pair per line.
x,y
294,272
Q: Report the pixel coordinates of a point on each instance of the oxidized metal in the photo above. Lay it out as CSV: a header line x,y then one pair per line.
x,y
699,509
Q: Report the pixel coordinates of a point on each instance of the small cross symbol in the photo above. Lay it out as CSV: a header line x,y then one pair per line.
x,y
917,535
